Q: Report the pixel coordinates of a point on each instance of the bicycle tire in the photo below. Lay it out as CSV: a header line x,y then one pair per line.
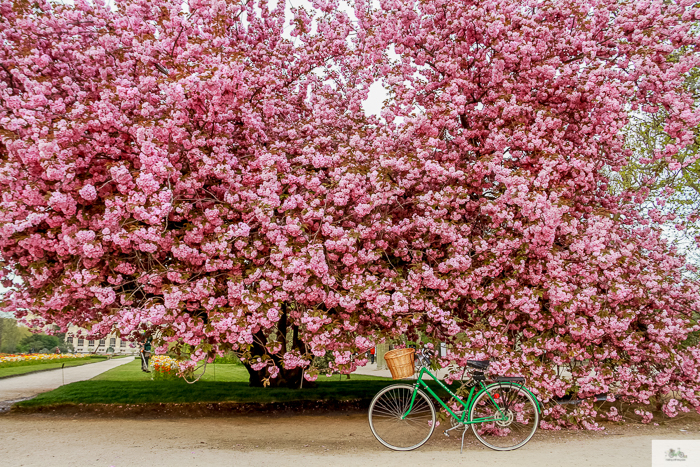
x,y
522,412
386,424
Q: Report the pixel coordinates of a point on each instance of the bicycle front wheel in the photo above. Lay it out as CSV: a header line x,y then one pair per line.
x,y
397,433
511,416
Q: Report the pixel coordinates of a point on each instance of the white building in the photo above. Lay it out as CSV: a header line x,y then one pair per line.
x,y
99,346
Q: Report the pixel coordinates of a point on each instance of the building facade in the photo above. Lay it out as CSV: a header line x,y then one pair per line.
x,y
109,344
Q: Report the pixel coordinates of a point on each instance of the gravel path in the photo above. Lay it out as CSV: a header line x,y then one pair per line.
x,y
28,386
306,440
339,438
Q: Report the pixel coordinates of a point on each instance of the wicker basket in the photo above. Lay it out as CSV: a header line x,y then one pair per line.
x,y
400,362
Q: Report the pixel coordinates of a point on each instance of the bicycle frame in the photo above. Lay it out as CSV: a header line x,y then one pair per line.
x,y
467,405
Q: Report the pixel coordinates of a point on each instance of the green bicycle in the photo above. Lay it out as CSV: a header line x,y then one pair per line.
x,y
503,414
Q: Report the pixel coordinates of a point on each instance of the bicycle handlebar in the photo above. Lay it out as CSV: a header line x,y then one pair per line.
x,y
425,356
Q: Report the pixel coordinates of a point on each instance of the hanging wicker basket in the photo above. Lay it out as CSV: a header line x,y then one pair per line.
x,y
400,362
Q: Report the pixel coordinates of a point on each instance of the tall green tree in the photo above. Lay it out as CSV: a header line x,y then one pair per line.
x,y
38,342
10,335
671,185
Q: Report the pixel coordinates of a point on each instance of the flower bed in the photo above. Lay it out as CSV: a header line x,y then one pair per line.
x,y
164,367
12,360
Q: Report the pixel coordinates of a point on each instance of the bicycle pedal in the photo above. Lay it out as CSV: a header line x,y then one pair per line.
x,y
446,433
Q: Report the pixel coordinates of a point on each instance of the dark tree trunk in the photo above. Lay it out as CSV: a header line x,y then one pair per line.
x,y
286,378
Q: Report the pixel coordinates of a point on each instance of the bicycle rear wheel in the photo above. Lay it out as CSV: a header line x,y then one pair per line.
x,y
518,413
385,413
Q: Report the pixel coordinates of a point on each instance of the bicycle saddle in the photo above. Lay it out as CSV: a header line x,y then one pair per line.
x,y
509,379
479,364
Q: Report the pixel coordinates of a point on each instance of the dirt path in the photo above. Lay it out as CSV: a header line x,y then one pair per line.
x,y
304,440
26,386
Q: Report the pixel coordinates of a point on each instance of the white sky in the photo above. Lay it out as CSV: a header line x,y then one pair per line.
x,y
377,93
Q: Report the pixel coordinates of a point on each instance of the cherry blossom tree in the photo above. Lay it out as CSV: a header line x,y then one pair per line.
x,y
513,117
185,160
191,173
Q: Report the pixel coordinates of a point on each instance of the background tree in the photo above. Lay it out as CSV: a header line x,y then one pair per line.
x,y
38,343
10,335
668,184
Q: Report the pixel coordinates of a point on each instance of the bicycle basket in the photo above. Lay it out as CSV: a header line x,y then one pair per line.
x,y
400,362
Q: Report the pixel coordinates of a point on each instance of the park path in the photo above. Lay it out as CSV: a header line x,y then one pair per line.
x,y
371,370
27,386
321,440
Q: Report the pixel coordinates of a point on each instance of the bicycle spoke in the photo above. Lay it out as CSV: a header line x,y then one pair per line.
x,y
391,406
513,426
388,425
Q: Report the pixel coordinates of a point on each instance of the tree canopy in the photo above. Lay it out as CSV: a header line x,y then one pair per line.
x,y
197,174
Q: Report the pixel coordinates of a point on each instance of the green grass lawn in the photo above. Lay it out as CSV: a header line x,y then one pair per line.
x,y
127,384
24,369
215,373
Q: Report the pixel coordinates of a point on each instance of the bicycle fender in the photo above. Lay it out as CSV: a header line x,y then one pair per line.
x,y
537,402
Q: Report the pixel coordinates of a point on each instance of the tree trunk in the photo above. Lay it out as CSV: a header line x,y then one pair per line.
x,y
291,378
285,379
